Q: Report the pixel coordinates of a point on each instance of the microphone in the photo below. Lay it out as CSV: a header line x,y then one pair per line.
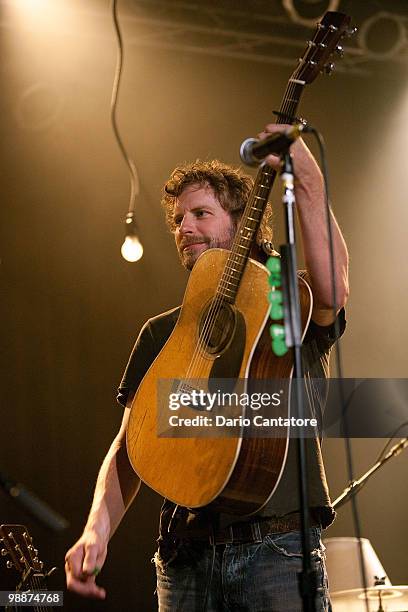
x,y
254,151
36,506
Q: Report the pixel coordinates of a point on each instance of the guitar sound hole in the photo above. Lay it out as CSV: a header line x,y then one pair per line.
x,y
217,326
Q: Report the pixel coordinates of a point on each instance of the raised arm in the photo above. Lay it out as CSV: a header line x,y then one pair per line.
x,y
310,204
116,487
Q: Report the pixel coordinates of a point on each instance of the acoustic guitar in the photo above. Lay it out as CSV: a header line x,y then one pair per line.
x,y
222,333
16,546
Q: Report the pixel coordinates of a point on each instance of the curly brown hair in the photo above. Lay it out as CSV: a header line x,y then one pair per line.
x,y
230,185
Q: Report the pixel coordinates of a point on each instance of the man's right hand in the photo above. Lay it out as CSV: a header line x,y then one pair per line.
x,y
83,563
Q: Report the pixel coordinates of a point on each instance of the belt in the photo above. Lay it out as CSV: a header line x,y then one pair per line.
x,y
255,531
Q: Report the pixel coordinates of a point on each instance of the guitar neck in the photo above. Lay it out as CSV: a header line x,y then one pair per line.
x,y
252,215
328,33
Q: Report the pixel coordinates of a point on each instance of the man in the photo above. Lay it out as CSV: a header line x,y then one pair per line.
x,y
208,562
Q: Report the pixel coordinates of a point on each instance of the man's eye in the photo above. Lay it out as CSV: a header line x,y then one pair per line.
x,y
177,220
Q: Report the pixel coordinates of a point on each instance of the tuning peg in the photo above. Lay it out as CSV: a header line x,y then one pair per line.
x,y
329,68
9,564
350,31
3,552
340,51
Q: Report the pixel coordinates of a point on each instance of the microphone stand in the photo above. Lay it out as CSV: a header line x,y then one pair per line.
x,y
355,486
293,335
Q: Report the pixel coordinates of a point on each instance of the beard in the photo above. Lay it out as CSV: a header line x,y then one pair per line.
x,y
189,256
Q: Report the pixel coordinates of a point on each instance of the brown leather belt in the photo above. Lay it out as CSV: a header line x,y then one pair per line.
x,y
255,531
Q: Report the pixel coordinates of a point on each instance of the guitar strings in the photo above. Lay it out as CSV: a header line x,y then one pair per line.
x,y
217,302
37,584
215,308
224,284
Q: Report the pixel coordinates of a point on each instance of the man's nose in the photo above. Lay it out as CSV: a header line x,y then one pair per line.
x,y
187,225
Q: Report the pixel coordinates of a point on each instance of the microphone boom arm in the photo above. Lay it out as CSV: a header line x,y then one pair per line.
x,y
356,485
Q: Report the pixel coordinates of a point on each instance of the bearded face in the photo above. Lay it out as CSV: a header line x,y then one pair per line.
x,y
201,223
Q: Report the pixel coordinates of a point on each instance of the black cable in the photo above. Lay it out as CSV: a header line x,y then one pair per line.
x,y
349,457
134,179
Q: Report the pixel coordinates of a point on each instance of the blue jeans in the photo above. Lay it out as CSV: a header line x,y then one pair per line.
x,y
259,576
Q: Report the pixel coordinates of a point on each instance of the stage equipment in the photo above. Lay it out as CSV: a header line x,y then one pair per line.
x,y
379,599
383,47
17,549
132,249
33,504
294,10
253,151
346,584
343,564
356,485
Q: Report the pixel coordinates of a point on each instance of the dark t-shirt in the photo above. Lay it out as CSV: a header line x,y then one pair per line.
x,y
315,355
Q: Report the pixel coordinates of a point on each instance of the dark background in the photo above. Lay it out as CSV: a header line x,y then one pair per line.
x,y
72,307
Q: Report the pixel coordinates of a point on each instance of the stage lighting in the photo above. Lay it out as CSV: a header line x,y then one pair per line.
x,y
308,12
132,249
383,35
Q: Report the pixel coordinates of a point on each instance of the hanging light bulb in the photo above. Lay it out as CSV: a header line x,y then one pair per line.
x,y
132,249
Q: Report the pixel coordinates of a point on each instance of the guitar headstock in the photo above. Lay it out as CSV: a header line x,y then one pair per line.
x,y
17,544
325,42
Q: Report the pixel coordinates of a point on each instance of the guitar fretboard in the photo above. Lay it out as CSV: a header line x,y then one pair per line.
x,y
252,215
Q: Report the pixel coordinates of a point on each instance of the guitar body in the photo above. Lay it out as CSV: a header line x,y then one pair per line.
x,y
197,471
261,460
